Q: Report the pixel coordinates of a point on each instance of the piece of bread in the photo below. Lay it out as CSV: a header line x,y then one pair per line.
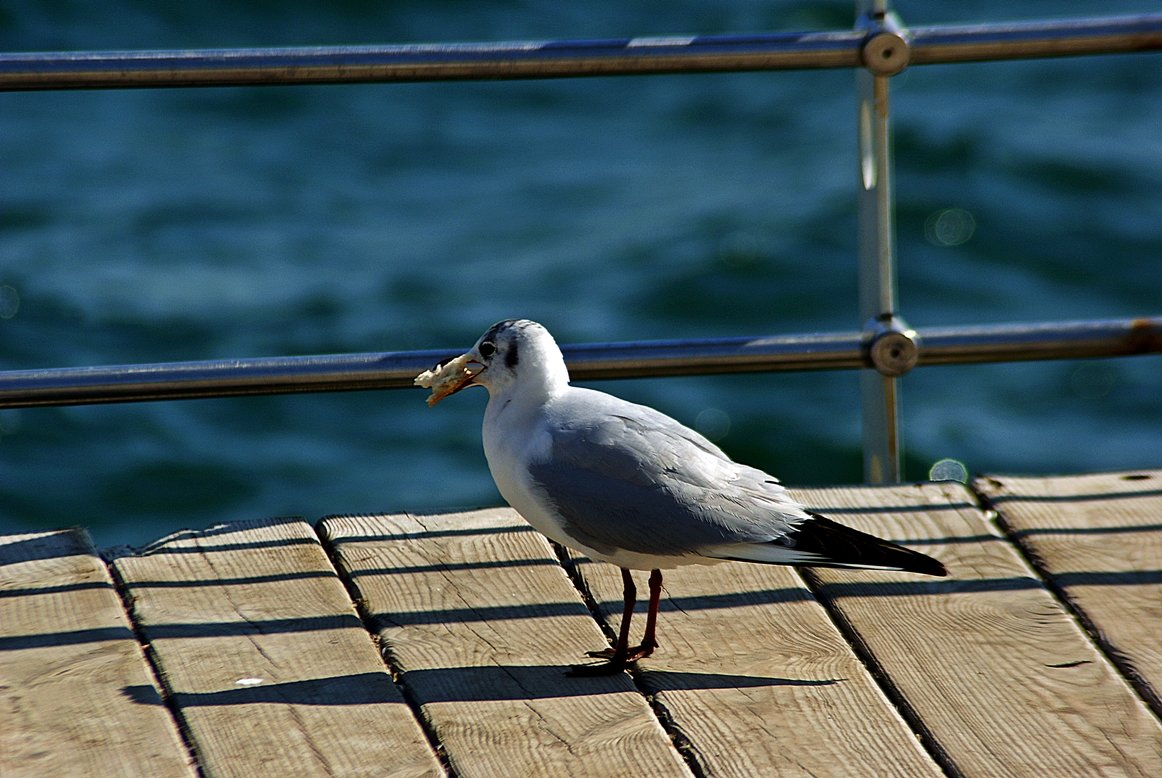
x,y
446,378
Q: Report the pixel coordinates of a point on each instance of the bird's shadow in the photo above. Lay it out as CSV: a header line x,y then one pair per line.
x,y
493,683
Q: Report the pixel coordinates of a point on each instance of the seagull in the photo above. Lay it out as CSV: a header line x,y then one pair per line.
x,y
625,484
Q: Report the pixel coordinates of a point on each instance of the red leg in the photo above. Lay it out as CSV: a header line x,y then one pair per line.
x,y
650,640
619,656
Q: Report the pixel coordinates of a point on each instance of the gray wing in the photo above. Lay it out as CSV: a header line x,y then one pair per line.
x,y
624,476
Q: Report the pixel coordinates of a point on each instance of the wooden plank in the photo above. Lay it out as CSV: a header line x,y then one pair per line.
x,y
757,678
992,666
1099,540
76,694
264,655
482,622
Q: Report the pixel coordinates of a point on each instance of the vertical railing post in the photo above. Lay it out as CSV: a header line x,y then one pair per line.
x,y
885,52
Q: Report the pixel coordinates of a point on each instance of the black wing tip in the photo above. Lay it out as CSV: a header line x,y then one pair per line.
x,y
927,565
849,547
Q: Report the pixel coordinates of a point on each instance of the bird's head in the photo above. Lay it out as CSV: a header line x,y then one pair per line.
x,y
510,354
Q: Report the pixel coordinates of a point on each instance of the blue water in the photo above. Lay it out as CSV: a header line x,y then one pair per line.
x,y
143,226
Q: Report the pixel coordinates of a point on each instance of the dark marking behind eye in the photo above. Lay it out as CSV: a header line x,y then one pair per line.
x,y
495,330
512,356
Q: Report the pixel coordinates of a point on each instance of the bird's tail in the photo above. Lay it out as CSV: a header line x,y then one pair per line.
x,y
842,546
821,542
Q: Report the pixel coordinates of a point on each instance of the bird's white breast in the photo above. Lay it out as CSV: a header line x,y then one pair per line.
x,y
515,435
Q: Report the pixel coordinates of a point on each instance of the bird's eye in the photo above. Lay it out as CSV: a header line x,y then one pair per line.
x,y
487,349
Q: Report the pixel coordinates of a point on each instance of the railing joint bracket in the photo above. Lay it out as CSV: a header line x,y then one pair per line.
x,y
886,49
890,345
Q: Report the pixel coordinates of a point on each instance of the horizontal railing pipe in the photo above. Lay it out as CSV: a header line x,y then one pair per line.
x,y
1025,40
1041,341
350,372
430,62
566,59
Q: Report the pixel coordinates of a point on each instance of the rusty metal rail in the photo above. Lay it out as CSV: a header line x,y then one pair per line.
x,y
575,58
395,370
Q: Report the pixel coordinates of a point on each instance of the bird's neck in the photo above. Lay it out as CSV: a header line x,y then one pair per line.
x,y
537,387
542,379
543,374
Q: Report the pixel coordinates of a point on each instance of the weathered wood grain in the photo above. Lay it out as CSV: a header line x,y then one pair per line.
x,y
1099,540
262,651
76,694
999,674
757,678
271,671
482,621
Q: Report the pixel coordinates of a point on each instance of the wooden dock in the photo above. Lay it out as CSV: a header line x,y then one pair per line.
x,y
403,645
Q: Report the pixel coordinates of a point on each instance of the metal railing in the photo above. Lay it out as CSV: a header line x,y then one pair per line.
x,y
880,47
395,370
868,45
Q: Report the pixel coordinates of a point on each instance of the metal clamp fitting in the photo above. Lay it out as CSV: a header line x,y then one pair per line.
x,y
885,50
891,346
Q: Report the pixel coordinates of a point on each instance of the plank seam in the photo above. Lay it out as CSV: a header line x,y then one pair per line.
x,y
928,740
121,587
391,664
1029,554
682,744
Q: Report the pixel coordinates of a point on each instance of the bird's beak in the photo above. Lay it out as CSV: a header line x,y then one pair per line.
x,y
450,376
